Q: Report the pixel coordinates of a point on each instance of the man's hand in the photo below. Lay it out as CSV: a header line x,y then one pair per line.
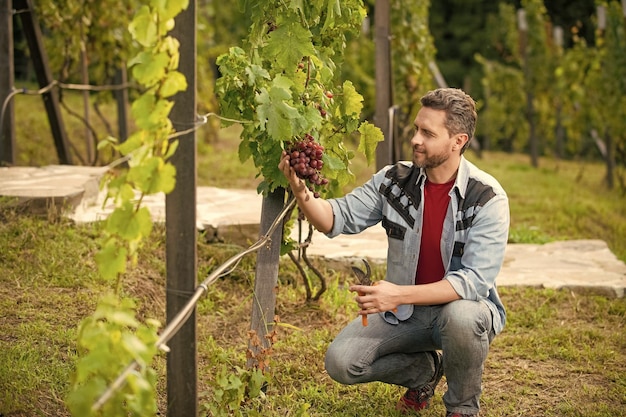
x,y
382,296
296,184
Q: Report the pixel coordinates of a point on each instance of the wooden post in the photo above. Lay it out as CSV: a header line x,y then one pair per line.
x,y
121,97
7,132
180,220
559,130
34,38
84,77
266,280
382,55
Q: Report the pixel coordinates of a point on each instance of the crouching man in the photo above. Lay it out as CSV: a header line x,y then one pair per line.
x,y
447,225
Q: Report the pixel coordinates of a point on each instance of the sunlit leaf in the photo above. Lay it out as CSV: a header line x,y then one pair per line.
x,y
143,28
370,136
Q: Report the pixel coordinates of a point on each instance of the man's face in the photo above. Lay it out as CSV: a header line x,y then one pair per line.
x,y
431,142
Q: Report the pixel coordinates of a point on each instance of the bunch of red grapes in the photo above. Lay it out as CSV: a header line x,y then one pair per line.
x,y
305,156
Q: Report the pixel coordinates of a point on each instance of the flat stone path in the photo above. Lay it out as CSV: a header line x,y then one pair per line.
x,y
586,266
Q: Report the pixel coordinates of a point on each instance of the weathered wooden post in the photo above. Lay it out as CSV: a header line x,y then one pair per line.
x,y
7,133
121,98
180,215
266,279
382,54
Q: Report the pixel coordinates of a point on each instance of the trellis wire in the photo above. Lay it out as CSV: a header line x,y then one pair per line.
x,y
186,311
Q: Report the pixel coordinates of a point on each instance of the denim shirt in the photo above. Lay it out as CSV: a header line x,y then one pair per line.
x,y
473,239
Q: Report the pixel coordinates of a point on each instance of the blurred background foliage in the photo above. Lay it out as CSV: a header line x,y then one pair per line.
x,y
553,85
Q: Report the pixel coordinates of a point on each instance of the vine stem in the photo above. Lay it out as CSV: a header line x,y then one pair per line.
x,y
184,314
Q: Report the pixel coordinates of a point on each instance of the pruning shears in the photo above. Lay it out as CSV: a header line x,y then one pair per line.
x,y
365,278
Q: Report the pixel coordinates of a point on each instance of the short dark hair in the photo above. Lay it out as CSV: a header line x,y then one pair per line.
x,y
460,110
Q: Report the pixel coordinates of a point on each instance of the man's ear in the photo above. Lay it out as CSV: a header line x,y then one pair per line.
x,y
460,140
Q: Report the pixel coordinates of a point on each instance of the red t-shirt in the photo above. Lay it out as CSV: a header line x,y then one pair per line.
x,y
429,265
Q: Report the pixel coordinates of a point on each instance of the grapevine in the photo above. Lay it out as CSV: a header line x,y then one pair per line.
x,y
286,85
113,336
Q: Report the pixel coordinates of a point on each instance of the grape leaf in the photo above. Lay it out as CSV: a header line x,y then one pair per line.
x,y
168,9
153,176
173,83
333,8
133,142
288,44
149,68
111,260
370,136
275,111
151,112
352,102
333,163
128,223
143,28
255,72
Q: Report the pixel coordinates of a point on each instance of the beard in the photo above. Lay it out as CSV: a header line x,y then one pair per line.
x,y
429,162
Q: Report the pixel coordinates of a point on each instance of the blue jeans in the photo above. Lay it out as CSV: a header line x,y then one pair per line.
x,y
399,354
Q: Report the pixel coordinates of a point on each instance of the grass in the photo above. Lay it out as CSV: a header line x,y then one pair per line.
x,y
561,354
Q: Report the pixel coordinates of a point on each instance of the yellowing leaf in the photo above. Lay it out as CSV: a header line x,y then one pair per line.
x,y
370,136
111,260
143,28
150,68
352,102
172,84
153,176
168,9
128,223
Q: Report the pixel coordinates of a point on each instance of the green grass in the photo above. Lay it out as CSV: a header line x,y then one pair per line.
x,y
561,354
560,200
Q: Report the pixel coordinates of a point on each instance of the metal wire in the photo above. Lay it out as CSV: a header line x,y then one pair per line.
x,y
181,318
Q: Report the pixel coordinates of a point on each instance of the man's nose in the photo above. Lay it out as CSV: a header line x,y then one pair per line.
x,y
416,139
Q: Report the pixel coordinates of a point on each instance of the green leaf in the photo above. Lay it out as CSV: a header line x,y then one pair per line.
x,y
275,112
332,9
333,163
153,176
255,385
244,150
352,103
111,260
130,224
151,113
370,136
133,142
172,84
256,72
168,9
143,28
288,44
150,68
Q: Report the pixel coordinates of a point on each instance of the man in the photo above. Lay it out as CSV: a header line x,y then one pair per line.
x,y
447,226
